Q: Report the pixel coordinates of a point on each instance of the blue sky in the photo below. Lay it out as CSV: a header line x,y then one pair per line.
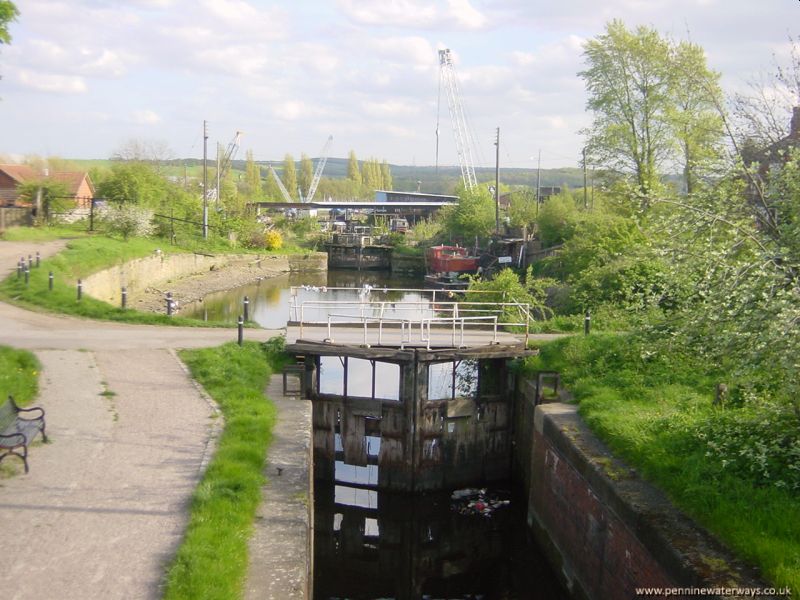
x,y
83,77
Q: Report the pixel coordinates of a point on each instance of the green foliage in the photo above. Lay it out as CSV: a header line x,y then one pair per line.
x,y
473,216
653,101
557,219
212,560
19,375
523,211
289,175
252,189
506,287
386,176
55,195
128,220
306,174
353,171
8,14
134,183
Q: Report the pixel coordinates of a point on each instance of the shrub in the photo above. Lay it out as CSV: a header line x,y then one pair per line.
x,y
273,240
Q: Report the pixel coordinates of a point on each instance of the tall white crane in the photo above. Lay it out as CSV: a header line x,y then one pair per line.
x,y
323,159
282,187
448,79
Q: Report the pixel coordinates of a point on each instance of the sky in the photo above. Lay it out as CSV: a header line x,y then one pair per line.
x,y
82,78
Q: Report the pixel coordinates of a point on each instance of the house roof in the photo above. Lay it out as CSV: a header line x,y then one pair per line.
x,y
73,180
20,173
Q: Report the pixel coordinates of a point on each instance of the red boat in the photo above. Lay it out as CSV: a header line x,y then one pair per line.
x,y
450,259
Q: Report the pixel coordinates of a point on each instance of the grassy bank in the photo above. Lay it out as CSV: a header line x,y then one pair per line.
x,y
736,470
212,560
19,375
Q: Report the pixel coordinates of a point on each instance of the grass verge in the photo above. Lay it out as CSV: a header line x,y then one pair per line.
x,y
81,258
735,470
19,375
41,234
212,560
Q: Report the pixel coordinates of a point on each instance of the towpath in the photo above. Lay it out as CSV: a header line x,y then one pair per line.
x,y
105,505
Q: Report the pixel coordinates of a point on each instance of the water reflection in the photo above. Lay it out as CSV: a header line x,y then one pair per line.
x,y
371,544
270,298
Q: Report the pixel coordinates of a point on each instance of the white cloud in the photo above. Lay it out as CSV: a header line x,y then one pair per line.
x,y
146,117
390,108
448,15
52,84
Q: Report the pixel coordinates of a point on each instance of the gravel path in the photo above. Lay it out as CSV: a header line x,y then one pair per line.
x,y
106,502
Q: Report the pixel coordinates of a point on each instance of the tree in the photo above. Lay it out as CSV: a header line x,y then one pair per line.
x,y
8,14
55,196
133,183
643,90
289,174
252,178
371,174
306,174
473,216
353,172
386,176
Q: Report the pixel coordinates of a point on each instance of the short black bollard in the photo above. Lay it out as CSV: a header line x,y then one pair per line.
x,y
38,259
27,276
241,330
124,297
80,289
169,304
50,281
587,323
19,270
246,304
30,261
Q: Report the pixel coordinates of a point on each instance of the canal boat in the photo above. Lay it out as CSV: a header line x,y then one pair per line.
x,y
450,259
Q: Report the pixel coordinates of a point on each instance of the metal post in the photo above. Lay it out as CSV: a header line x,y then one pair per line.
x,y
80,289
19,270
27,276
246,304
30,262
38,259
205,180
497,185
169,304
124,297
587,323
50,281
241,330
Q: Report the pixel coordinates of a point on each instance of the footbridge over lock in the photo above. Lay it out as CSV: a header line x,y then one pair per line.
x,y
409,395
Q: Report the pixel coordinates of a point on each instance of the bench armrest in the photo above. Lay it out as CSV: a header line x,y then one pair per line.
x,y
27,417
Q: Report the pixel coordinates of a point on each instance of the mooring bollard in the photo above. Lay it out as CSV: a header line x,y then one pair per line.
x,y
80,289
38,259
27,276
124,297
587,323
50,281
241,330
246,304
169,304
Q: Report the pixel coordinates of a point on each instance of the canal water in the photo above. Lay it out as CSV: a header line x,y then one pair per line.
x,y
370,544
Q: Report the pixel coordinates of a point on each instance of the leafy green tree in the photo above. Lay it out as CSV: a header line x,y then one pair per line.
x,y
55,196
371,173
135,183
353,172
695,119
473,216
386,176
557,220
306,174
654,102
8,14
252,178
523,209
289,175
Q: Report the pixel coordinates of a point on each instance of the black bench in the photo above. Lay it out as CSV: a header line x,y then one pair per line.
x,y
18,427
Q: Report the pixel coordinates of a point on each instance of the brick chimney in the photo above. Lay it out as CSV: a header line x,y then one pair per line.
x,y
794,127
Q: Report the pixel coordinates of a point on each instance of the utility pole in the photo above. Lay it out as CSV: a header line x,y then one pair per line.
x,y
497,185
585,188
216,196
205,180
538,181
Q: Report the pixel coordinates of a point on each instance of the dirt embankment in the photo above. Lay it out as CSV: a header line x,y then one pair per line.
x,y
195,287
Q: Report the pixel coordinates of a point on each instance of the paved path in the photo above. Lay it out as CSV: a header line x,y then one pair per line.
x,y
105,504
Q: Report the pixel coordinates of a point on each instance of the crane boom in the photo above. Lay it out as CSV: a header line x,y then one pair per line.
x,y
284,191
323,158
230,154
461,131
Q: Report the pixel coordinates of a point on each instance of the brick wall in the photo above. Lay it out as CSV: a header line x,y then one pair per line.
x,y
607,531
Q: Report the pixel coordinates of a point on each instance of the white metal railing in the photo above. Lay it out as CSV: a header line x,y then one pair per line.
x,y
371,314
